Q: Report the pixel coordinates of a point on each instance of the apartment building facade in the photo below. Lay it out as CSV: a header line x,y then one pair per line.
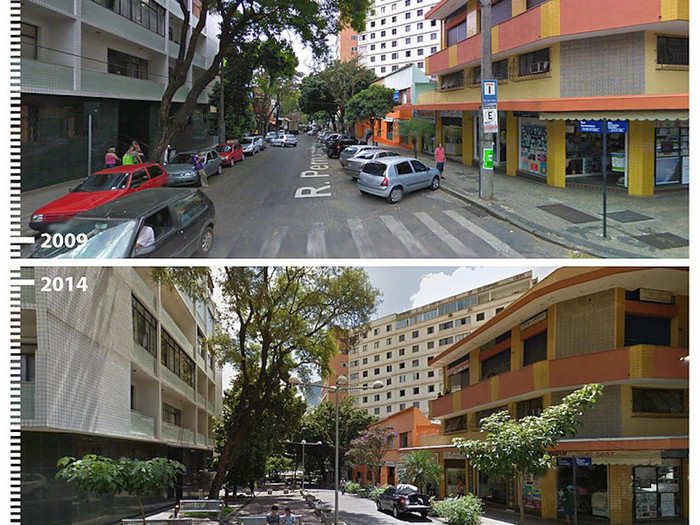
x,y
395,349
347,44
95,71
625,328
560,64
396,34
338,366
119,370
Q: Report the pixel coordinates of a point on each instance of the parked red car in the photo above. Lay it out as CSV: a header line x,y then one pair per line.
x,y
100,187
230,153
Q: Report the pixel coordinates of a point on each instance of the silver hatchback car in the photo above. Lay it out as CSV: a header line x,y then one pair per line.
x,y
181,170
356,163
351,151
392,177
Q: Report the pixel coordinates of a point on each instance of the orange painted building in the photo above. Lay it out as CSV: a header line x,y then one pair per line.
x,y
347,44
410,426
338,367
626,328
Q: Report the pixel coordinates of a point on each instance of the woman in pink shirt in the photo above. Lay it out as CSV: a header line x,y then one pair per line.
x,y
440,158
111,158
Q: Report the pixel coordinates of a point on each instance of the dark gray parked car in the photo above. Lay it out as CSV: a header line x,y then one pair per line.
x,y
403,499
181,170
158,222
355,164
392,177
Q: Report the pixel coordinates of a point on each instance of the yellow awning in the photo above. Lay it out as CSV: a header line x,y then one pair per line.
x,y
617,115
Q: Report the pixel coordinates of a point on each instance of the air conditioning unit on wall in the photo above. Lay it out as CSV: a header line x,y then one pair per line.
x,y
539,67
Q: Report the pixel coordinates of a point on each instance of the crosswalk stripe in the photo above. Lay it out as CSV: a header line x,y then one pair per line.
x,y
271,246
403,235
490,239
359,235
450,240
316,242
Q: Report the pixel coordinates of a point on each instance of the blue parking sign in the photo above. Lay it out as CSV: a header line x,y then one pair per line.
x,y
489,91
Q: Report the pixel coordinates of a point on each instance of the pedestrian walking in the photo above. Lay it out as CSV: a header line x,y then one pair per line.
x,y
440,159
138,154
569,503
460,488
111,158
342,485
198,164
167,154
128,157
287,518
273,518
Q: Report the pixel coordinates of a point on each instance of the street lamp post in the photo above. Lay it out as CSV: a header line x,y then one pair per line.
x,y
303,444
340,380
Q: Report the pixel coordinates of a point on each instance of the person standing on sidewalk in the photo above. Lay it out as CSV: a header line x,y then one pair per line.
x,y
198,164
273,518
440,159
287,518
568,504
111,158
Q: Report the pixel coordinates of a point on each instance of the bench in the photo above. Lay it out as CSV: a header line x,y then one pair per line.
x,y
210,506
262,520
160,521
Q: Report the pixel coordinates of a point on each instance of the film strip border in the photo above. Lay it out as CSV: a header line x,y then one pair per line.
x,y
21,289
16,240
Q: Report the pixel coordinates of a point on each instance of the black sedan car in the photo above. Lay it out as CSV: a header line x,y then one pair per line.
x,y
403,499
159,222
334,147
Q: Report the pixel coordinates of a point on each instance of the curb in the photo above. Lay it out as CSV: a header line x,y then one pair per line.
x,y
545,234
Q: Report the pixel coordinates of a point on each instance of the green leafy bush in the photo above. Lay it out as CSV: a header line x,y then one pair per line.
x,y
351,487
376,491
465,510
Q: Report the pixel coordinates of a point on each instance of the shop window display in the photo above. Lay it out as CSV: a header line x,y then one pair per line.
x,y
452,134
455,476
493,489
591,489
533,147
657,491
584,153
671,150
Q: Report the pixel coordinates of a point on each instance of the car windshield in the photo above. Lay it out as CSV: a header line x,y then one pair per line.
x,y
374,168
182,158
106,238
223,149
246,141
351,149
103,182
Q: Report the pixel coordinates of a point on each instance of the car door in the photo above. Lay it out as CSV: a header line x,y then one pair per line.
x,y
167,242
405,176
190,215
139,180
157,175
387,498
422,174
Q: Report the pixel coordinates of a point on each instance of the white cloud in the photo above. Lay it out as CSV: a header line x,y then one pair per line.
x,y
439,285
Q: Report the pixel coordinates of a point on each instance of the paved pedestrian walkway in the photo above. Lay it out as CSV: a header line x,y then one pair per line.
x,y
655,226
262,503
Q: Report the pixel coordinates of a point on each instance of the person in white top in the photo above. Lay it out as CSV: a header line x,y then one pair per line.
x,y
146,236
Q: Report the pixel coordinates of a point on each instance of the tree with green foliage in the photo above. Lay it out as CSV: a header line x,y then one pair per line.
x,y
370,447
414,129
420,468
370,104
242,22
318,424
104,476
277,464
514,448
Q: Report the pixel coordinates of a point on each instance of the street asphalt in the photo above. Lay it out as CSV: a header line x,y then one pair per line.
x,y
281,202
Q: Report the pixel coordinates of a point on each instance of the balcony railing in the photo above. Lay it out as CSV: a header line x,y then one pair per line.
x,y
143,357
201,399
176,382
27,401
620,364
142,424
211,406
170,432
203,440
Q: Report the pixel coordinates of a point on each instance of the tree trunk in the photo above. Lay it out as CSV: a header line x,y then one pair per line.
x,y
520,486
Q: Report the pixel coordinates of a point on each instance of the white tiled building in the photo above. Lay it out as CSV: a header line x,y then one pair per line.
x,y
397,34
116,370
395,348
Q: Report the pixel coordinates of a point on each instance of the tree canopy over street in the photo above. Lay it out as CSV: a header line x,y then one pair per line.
x,y
370,104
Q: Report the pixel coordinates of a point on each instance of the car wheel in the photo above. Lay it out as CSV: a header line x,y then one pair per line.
x,y
379,507
424,514
435,184
396,512
395,195
207,240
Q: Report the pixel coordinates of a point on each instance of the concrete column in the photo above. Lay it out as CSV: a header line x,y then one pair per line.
x,y
551,332
619,317
620,494
474,367
467,137
640,163
556,153
438,128
516,349
511,143
159,393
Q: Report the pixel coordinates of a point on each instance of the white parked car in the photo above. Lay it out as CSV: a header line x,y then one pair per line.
x,y
250,145
289,140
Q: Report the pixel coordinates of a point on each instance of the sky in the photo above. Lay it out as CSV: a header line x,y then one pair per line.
x,y
407,287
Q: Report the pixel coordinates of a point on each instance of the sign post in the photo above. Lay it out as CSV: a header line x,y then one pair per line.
x,y
489,97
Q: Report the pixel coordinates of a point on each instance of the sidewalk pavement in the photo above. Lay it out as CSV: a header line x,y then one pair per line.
x,y
657,226
262,503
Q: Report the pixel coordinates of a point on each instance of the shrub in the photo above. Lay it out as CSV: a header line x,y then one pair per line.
x,y
465,510
351,487
376,491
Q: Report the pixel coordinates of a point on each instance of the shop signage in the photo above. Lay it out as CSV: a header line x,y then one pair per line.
x,y
490,120
596,126
617,126
583,462
488,158
489,92
565,462
396,95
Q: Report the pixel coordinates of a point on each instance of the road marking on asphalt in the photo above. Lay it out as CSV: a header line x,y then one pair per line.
x,y
403,235
361,237
450,240
316,242
489,238
310,191
271,246
311,174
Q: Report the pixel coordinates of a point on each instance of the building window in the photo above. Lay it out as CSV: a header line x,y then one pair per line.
x,y
431,373
446,326
372,58
647,330
500,71
175,359
433,50
452,80
376,371
388,381
372,47
382,34
431,388
402,406
414,349
402,379
27,368
657,492
388,368
354,375
670,50
416,404
420,53
382,58
172,415
382,69
119,63
402,393
402,365
496,364
376,413
416,376
530,407
376,344
402,351
376,397
419,26
408,40
433,36
146,13
486,413
415,363
389,354
402,337
403,439
658,401
480,316
457,33
393,31
364,373
433,23
372,23
143,326
455,424
364,360
393,19
29,41
419,12
535,349
446,341
415,333
376,331
408,28
534,63
431,329
388,410
388,395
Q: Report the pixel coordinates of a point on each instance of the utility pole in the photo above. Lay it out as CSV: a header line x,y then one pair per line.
x,y
486,143
222,123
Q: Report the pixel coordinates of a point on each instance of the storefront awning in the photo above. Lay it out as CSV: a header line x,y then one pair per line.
x,y
622,457
617,115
